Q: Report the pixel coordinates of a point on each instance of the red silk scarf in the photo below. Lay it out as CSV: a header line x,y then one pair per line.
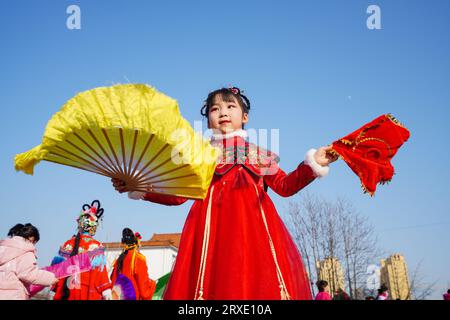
x,y
368,151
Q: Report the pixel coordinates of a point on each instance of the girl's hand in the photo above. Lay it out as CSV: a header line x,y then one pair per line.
x,y
119,185
324,157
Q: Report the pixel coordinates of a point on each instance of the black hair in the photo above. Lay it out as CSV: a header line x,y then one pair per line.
x,y
14,230
321,285
382,289
448,291
128,238
76,246
25,231
228,95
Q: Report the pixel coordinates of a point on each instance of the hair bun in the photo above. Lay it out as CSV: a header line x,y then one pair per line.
x,y
128,236
126,232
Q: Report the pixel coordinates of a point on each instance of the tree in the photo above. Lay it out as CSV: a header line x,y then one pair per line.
x,y
325,229
419,288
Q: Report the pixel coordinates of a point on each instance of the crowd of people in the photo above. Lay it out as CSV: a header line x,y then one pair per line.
x,y
128,280
78,271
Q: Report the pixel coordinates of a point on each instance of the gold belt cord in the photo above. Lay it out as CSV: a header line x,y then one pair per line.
x,y
201,275
283,290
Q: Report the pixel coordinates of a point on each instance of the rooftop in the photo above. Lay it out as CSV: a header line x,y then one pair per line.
x,y
157,240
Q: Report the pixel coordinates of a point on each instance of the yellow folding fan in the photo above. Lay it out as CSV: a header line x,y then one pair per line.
x,y
131,132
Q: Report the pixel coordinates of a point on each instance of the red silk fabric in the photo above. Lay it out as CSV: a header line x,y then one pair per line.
x,y
369,150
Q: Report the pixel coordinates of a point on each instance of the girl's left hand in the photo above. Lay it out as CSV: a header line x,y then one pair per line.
x,y
324,157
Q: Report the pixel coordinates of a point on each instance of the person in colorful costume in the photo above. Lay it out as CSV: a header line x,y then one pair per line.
x,y
130,273
93,284
234,245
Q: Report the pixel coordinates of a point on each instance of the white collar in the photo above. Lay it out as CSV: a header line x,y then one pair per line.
x,y
238,133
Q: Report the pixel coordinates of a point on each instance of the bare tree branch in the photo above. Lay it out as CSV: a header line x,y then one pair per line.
x,y
324,229
419,289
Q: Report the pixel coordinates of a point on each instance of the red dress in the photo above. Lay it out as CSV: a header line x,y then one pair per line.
x,y
234,245
87,285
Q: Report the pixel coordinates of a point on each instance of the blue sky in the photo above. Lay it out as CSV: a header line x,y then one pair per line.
x,y
312,69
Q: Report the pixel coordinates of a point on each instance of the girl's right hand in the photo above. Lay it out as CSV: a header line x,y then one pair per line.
x,y
119,185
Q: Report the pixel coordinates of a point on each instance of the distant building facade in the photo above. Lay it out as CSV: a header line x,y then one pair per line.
x,y
394,274
330,270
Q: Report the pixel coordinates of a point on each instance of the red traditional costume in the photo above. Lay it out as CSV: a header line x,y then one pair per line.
x,y
234,245
134,271
88,285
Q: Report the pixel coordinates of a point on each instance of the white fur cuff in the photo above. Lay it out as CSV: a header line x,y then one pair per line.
x,y
136,195
319,171
237,133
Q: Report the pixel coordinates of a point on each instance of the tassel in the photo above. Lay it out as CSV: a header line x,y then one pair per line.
x,y
200,297
240,180
219,196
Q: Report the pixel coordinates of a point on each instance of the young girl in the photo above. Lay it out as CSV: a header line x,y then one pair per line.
x,y
88,285
18,267
130,274
234,244
323,294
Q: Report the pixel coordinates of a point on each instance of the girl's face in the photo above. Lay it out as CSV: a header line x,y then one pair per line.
x,y
225,117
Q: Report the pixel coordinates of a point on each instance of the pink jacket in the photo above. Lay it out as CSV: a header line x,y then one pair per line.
x,y
19,270
323,296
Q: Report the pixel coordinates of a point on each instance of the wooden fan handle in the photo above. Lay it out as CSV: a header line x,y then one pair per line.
x,y
131,183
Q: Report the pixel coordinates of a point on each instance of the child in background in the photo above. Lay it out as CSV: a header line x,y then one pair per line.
x,y
323,294
18,266
130,274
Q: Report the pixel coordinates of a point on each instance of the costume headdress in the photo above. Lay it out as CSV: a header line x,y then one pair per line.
x,y
131,241
88,219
